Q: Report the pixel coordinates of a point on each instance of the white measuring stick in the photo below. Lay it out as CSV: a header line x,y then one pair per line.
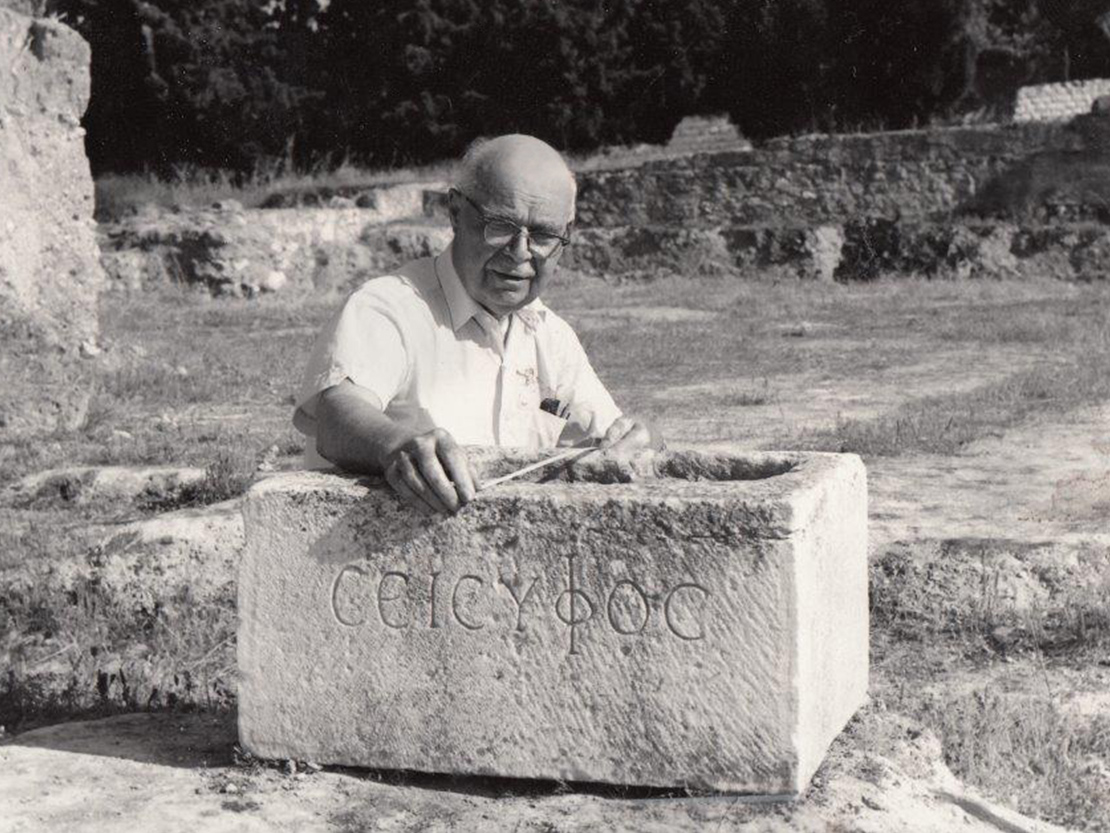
x,y
573,453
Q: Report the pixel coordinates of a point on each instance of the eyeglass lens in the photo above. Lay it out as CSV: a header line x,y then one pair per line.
x,y
498,233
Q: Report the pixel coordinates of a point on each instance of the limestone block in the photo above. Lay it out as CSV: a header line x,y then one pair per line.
x,y
50,273
705,625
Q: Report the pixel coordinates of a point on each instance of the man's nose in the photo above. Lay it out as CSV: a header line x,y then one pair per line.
x,y
518,247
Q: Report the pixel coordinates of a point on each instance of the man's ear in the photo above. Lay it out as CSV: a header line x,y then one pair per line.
x,y
454,206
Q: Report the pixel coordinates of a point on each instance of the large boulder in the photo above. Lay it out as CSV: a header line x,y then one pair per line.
x,y
49,264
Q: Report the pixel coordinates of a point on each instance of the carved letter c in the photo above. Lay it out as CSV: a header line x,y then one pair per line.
x,y
667,611
470,626
335,595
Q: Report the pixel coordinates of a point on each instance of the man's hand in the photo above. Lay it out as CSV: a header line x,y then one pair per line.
x,y
428,470
628,435
431,473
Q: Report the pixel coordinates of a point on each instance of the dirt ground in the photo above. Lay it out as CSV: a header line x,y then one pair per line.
x,y
982,411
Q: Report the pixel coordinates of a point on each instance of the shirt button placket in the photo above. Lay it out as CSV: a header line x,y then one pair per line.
x,y
505,419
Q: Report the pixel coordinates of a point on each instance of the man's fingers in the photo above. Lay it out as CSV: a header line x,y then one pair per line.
x,y
617,431
474,478
458,468
394,479
431,470
636,438
422,481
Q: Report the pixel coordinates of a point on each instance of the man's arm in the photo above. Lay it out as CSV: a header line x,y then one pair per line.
x,y
427,469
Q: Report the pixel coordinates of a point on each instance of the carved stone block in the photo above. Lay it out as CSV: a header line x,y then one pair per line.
x,y
703,626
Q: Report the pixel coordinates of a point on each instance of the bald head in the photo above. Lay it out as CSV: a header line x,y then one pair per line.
x,y
519,164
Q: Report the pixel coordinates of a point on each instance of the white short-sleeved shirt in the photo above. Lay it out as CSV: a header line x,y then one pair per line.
x,y
436,359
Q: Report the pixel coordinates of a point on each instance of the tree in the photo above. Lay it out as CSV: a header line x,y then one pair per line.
x,y
176,82
419,79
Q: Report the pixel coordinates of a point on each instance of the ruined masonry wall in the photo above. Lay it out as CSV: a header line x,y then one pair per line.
x,y
813,180
1051,102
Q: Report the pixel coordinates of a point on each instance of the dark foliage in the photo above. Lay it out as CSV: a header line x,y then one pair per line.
x,y
230,83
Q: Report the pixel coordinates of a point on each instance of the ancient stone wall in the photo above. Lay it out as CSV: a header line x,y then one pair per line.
x,y
814,180
1023,201
1056,102
49,263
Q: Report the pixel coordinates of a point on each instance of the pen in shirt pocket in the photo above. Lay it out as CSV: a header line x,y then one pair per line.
x,y
554,406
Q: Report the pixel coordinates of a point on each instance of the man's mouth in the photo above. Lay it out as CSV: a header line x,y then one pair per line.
x,y
510,278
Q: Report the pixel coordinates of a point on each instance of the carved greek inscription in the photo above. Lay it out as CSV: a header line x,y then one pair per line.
x,y
336,587
391,621
622,621
462,620
520,600
581,600
676,618
433,623
569,606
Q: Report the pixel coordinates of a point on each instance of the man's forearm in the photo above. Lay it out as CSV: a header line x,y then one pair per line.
x,y
428,470
354,433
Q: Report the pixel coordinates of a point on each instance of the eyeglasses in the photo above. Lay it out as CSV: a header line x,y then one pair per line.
x,y
500,232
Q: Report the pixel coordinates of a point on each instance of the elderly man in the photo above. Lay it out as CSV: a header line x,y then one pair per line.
x,y
459,349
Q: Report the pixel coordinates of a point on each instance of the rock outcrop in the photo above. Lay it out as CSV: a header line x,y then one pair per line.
x,y
49,263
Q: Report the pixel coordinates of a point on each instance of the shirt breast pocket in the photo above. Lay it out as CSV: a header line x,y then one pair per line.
x,y
547,428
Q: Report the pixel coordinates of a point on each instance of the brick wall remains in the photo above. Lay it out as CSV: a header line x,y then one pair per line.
x,y
1058,102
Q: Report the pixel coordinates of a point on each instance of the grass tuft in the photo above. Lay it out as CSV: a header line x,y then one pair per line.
x,y
1022,747
78,653
226,477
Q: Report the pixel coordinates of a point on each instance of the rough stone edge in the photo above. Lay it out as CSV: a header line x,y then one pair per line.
x,y
847,490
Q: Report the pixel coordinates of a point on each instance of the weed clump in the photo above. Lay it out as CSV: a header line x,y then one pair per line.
x,y
226,477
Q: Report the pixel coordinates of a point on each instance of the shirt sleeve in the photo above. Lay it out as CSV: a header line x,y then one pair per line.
x,y
363,342
592,409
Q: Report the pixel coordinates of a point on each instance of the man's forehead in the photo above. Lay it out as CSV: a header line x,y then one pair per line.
x,y
528,176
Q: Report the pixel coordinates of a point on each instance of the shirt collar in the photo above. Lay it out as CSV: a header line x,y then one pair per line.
x,y
462,307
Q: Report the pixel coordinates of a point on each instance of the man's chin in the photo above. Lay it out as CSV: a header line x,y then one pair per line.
x,y
506,292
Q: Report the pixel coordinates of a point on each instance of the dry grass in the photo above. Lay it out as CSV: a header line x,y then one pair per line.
x,y
1025,750
66,654
946,642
